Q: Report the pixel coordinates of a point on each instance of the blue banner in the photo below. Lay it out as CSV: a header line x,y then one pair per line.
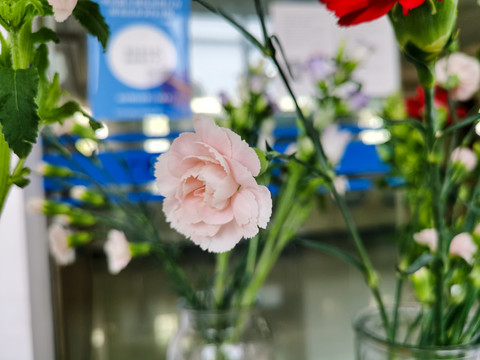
x,y
145,68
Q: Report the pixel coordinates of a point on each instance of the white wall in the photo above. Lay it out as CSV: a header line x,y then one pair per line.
x,y
26,325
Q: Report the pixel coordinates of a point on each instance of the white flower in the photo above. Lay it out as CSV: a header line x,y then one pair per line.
x,y
428,237
62,9
341,184
462,245
466,68
334,142
59,246
77,192
465,156
118,252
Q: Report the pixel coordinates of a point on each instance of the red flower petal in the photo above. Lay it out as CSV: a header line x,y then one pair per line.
x,y
410,4
351,12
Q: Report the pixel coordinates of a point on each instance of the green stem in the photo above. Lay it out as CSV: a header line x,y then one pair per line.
x,y
398,297
267,258
252,256
370,274
220,277
435,185
5,184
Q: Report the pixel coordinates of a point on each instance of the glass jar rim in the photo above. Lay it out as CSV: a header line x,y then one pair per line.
x,y
370,313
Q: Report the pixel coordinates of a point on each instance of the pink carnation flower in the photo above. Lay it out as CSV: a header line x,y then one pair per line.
x,y
117,250
211,196
466,68
59,245
427,237
462,245
465,156
62,9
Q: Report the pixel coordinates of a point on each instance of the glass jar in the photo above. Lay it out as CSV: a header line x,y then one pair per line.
x,y
238,334
371,342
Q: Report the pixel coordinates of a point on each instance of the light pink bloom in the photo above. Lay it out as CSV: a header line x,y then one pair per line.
x,y
211,196
428,237
462,245
117,250
59,246
465,156
62,9
466,68
334,142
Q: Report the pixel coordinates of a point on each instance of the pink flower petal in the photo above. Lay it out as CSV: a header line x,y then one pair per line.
x,y
213,135
244,154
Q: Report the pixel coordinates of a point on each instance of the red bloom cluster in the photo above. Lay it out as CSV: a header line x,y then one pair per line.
x,y
351,12
415,105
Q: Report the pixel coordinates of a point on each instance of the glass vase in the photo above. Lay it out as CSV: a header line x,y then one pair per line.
x,y
237,334
371,341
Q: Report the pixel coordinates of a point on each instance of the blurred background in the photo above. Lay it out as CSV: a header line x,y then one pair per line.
x,y
81,311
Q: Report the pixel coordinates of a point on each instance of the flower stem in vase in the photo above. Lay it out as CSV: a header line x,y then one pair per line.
x,y
442,259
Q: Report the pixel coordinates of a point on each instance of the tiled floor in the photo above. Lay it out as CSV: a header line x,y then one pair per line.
x,y
310,301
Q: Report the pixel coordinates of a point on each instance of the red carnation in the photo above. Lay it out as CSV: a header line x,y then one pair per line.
x,y
416,104
351,12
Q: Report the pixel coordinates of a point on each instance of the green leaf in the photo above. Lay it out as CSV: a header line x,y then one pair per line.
x,y
89,16
21,182
94,124
334,251
419,263
19,177
263,160
38,5
412,122
60,113
46,8
41,62
18,110
44,35
469,121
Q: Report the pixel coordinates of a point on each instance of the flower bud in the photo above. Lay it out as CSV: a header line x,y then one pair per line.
x,y
139,249
422,282
82,193
47,207
81,218
424,33
79,238
49,170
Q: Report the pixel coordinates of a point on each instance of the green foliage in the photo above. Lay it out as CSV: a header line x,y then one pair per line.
x,y
45,35
88,15
18,110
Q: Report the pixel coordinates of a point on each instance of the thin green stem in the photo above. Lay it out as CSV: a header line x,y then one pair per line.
x,y
251,256
220,277
267,258
398,298
441,262
5,184
370,274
